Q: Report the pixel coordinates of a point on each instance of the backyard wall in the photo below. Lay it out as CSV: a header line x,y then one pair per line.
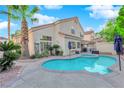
x,y
105,47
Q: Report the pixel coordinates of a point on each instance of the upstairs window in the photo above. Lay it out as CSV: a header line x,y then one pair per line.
x,y
73,31
48,38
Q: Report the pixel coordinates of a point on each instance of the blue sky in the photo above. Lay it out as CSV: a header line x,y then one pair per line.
x,y
90,16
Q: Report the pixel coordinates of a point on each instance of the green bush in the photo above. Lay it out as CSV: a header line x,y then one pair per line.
x,y
51,50
56,47
38,55
32,56
11,52
45,53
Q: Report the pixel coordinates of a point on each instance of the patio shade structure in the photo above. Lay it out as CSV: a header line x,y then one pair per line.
x,y
118,47
69,46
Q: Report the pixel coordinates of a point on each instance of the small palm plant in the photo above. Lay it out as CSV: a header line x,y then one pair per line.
x,y
56,47
51,50
11,52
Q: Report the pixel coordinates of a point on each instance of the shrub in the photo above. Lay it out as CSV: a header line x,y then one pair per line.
x,y
56,47
51,50
45,53
38,55
11,52
32,56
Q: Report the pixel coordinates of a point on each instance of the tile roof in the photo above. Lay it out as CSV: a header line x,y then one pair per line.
x,y
3,38
88,32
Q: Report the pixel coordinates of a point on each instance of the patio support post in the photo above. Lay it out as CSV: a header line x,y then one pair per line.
x,y
119,61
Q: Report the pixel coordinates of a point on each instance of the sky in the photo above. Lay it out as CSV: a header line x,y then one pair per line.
x,y
90,16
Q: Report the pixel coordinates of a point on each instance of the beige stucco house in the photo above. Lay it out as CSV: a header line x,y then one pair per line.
x,y
60,32
89,40
89,36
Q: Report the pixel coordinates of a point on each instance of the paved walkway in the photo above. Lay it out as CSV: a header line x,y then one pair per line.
x,y
34,76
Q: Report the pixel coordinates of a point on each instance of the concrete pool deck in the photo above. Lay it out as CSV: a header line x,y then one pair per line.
x,y
33,76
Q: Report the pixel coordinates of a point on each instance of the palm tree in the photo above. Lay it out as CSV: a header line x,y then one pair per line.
x,y
24,13
56,47
9,15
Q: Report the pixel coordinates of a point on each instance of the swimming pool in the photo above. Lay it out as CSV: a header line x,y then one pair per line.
x,y
90,63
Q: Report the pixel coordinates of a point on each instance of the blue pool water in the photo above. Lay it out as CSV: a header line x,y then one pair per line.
x,y
89,63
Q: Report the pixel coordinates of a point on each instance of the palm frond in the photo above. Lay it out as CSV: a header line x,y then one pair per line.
x,y
33,11
4,12
34,20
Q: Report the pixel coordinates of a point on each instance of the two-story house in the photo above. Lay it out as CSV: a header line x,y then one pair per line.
x,y
60,32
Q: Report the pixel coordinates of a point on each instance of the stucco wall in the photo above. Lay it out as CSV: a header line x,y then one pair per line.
x,y
105,47
31,44
66,27
88,37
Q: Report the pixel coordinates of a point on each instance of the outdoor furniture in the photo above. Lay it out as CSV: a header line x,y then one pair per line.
x,y
95,52
77,52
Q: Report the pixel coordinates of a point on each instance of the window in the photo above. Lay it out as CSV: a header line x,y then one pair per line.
x,y
36,48
45,45
49,38
78,45
73,44
72,31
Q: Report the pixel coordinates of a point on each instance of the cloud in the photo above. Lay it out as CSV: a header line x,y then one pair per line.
x,y
88,28
4,25
100,27
103,11
53,6
44,19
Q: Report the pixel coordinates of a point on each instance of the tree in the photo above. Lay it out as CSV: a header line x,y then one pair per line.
x,y
25,13
108,31
119,24
10,16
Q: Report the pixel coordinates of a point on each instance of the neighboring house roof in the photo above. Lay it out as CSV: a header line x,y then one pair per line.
x,y
3,38
54,23
88,32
